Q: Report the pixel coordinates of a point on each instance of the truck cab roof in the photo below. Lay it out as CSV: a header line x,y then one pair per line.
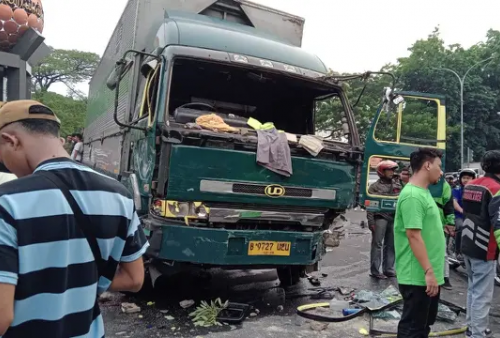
x,y
195,30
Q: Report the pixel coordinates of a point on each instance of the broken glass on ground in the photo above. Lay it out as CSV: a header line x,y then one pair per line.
x,y
377,300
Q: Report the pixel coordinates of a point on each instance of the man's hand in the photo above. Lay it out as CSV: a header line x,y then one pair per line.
x,y
432,284
449,230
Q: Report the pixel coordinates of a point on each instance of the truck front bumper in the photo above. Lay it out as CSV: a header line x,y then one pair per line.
x,y
222,247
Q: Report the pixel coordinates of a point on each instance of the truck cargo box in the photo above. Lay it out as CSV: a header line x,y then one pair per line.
x,y
137,28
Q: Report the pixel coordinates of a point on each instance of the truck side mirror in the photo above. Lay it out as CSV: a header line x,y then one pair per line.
x,y
121,69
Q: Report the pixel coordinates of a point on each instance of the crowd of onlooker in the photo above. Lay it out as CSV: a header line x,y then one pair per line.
x,y
411,244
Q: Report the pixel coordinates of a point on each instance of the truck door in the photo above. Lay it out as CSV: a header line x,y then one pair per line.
x,y
417,121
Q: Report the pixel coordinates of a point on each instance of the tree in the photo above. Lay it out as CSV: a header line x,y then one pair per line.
x,y
64,66
71,112
420,71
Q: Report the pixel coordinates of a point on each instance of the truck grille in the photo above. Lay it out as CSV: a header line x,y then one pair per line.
x,y
260,190
224,187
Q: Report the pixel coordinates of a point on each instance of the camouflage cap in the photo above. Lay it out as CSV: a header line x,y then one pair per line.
x,y
21,110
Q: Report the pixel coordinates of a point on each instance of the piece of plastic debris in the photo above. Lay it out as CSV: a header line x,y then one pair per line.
x,y
393,314
164,311
253,314
280,308
141,316
446,314
169,318
257,311
130,308
150,303
364,332
186,303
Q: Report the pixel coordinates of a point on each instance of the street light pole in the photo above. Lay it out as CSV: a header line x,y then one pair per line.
x,y
461,80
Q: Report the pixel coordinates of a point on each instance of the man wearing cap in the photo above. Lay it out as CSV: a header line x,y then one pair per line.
x,y
67,233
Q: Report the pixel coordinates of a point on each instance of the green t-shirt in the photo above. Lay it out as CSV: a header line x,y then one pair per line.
x,y
416,209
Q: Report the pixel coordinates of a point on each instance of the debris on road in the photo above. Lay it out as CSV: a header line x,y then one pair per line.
x,y
253,314
105,297
206,314
150,303
169,318
130,308
186,303
280,308
318,326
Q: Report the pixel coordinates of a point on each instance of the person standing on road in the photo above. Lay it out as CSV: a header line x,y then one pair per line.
x,y
77,151
404,176
69,144
420,246
465,176
381,224
67,233
480,241
447,213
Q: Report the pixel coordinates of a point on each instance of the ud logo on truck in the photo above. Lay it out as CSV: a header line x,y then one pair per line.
x,y
274,190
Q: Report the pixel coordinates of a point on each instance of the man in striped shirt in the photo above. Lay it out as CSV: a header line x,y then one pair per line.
x,y
53,265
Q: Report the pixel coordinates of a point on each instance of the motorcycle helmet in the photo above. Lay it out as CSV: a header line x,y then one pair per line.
x,y
386,165
468,172
491,162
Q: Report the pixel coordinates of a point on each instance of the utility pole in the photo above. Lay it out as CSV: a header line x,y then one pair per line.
x,y
461,80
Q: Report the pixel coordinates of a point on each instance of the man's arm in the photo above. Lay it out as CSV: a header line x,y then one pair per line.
x,y
8,270
449,217
456,196
457,206
130,273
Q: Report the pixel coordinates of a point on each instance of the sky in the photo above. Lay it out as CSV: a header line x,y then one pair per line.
x,y
348,35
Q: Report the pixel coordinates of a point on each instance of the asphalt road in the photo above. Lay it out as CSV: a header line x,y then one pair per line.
x,y
345,266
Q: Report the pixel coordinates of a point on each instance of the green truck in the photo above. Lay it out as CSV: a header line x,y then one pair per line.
x,y
203,199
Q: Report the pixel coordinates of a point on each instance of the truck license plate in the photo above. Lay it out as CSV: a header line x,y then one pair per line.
x,y
265,248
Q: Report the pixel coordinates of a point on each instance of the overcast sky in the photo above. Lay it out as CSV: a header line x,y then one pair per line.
x,y
348,35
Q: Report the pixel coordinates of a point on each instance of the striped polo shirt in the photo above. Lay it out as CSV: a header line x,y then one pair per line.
x,y
45,254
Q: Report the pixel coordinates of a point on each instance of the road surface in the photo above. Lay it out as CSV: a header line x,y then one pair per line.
x,y
345,266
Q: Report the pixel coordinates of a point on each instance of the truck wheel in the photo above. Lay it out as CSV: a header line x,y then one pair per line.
x,y
290,275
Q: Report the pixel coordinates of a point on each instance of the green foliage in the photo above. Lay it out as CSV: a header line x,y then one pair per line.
x,y
64,66
421,71
69,67
206,314
70,111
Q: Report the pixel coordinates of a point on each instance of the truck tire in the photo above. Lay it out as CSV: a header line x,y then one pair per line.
x,y
290,275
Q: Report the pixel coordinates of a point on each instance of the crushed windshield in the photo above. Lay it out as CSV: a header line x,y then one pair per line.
x,y
329,119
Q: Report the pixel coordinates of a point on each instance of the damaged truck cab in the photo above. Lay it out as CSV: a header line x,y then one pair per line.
x,y
203,198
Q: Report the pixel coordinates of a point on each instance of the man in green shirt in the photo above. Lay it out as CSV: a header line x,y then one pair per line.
x,y
420,246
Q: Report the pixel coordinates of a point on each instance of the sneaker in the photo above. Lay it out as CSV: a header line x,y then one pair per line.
x,y
468,333
447,284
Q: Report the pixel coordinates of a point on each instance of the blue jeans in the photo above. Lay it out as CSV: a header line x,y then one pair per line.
x,y
481,284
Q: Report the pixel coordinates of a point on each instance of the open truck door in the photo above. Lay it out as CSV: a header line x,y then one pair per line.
x,y
405,122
